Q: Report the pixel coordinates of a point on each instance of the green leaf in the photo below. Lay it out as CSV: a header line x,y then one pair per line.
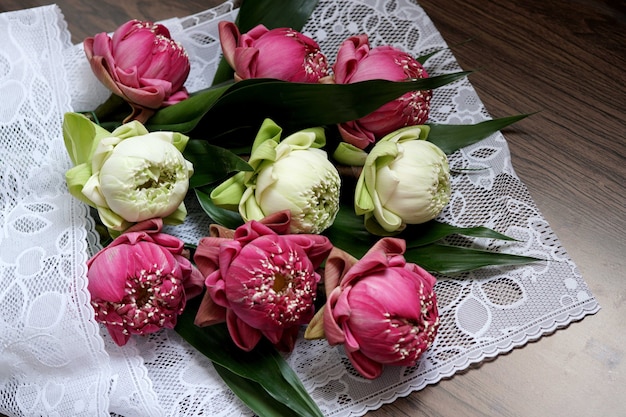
x,y
432,231
263,365
211,163
183,116
274,13
349,234
226,218
423,58
256,398
451,138
295,106
447,260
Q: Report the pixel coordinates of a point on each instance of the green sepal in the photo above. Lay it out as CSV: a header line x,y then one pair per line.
x,y
81,137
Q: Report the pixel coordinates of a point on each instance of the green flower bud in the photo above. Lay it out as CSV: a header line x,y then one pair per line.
x,y
405,180
129,175
290,174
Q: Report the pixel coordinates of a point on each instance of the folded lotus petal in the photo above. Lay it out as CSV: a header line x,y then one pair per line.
x,y
280,53
103,74
144,66
383,310
367,367
333,330
266,281
245,61
209,312
357,61
245,337
316,247
146,97
140,282
207,253
229,37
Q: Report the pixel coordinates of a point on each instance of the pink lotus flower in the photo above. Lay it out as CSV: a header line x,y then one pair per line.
x,y
260,280
381,308
142,64
357,62
140,282
280,53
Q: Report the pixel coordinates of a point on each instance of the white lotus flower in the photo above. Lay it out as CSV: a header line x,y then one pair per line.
x,y
290,174
405,180
137,176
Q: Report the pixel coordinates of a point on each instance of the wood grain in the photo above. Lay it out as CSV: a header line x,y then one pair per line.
x,y
566,60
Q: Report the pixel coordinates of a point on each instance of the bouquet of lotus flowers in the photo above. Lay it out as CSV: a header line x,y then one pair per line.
x,y
323,179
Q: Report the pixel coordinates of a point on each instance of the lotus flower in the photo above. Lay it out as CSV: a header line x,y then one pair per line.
x,y
290,174
141,281
280,53
382,309
142,64
405,180
130,174
357,61
260,280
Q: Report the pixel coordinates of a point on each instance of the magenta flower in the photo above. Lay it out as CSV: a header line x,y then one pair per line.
x,y
142,64
381,308
141,281
259,280
357,62
281,53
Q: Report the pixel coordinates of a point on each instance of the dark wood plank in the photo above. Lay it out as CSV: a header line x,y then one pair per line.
x,y
565,59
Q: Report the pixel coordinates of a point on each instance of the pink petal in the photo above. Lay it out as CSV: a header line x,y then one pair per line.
x,y
207,254
118,335
244,336
107,273
209,313
245,62
317,247
338,264
333,331
151,97
229,38
347,58
134,51
365,366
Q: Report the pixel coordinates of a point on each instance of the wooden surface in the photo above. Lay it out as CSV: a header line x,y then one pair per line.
x,y
566,59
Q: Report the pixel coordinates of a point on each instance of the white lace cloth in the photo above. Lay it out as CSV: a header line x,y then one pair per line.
x,y
56,361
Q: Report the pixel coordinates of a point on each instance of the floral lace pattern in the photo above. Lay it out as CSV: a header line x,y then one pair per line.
x,y
52,359
47,234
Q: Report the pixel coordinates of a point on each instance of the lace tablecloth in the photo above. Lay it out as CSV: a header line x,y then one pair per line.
x,y
56,361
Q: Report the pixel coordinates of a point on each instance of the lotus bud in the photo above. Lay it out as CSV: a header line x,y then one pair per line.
x,y
381,308
357,61
280,53
142,64
405,180
291,174
130,175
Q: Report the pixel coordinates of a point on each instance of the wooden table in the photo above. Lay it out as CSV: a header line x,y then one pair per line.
x,y
566,60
